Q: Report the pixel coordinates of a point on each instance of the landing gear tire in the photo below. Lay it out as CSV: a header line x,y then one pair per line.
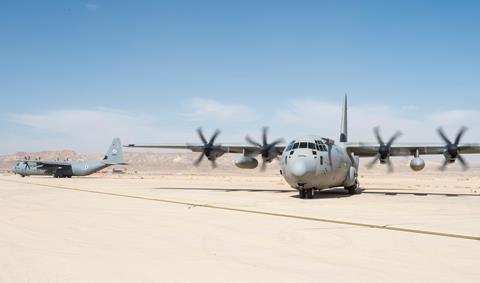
x,y
301,193
309,193
353,189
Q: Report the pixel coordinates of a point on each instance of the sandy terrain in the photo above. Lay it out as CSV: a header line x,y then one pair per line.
x,y
237,228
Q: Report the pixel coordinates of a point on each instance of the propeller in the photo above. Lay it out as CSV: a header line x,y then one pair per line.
x,y
209,149
26,164
384,150
267,150
452,151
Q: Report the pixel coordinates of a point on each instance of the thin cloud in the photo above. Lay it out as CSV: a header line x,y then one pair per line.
x,y
88,129
91,7
209,109
323,118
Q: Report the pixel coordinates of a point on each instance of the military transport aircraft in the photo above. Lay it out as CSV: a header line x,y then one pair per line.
x,y
67,169
311,163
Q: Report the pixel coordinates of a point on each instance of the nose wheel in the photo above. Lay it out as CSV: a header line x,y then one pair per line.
x,y
305,193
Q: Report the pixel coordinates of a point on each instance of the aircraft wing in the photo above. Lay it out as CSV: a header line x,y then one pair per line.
x,y
48,163
228,148
369,150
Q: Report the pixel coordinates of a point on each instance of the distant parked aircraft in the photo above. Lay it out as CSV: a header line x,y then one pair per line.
x,y
67,169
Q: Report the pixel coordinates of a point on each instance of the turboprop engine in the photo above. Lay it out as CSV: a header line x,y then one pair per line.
x,y
246,162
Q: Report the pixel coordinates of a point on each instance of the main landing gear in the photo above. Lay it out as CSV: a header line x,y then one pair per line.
x,y
61,176
353,189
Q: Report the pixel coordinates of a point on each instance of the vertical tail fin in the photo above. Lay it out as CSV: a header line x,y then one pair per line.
x,y
344,127
115,153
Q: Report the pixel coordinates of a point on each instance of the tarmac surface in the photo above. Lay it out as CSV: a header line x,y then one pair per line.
x,y
183,228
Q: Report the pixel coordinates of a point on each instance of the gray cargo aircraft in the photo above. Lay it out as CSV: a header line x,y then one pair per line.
x,y
67,169
311,163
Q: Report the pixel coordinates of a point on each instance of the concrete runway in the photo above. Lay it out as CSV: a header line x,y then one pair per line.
x,y
183,229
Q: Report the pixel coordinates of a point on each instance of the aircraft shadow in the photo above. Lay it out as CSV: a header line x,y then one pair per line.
x,y
230,190
324,194
394,193
331,193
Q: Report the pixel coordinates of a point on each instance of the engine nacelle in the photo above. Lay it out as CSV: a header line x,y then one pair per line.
x,y
448,157
246,162
417,164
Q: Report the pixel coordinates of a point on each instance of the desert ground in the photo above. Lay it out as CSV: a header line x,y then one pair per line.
x,y
179,224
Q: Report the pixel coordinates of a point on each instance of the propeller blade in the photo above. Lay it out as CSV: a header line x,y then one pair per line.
x,y
392,140
444,165
202,137
214,164
273,144
460,135
252,142
214,137
264,167
463,162
272,152
264,135
443,136
254,153
376,131
390,166
374,160
199,159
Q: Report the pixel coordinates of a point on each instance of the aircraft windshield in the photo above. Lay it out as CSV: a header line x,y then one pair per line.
x,y
289,147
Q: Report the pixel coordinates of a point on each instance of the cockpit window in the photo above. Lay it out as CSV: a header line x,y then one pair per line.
x,y
289,147
311,145
295,146
303,145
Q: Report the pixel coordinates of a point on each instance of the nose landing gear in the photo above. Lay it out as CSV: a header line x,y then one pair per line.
x,y
305,193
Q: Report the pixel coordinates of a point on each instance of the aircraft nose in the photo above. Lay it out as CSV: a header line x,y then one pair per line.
x,y
299,169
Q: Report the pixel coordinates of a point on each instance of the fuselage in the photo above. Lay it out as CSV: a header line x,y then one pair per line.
x,y
311,163
73,169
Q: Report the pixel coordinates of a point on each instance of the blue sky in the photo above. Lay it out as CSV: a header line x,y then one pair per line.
x,y
75,73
